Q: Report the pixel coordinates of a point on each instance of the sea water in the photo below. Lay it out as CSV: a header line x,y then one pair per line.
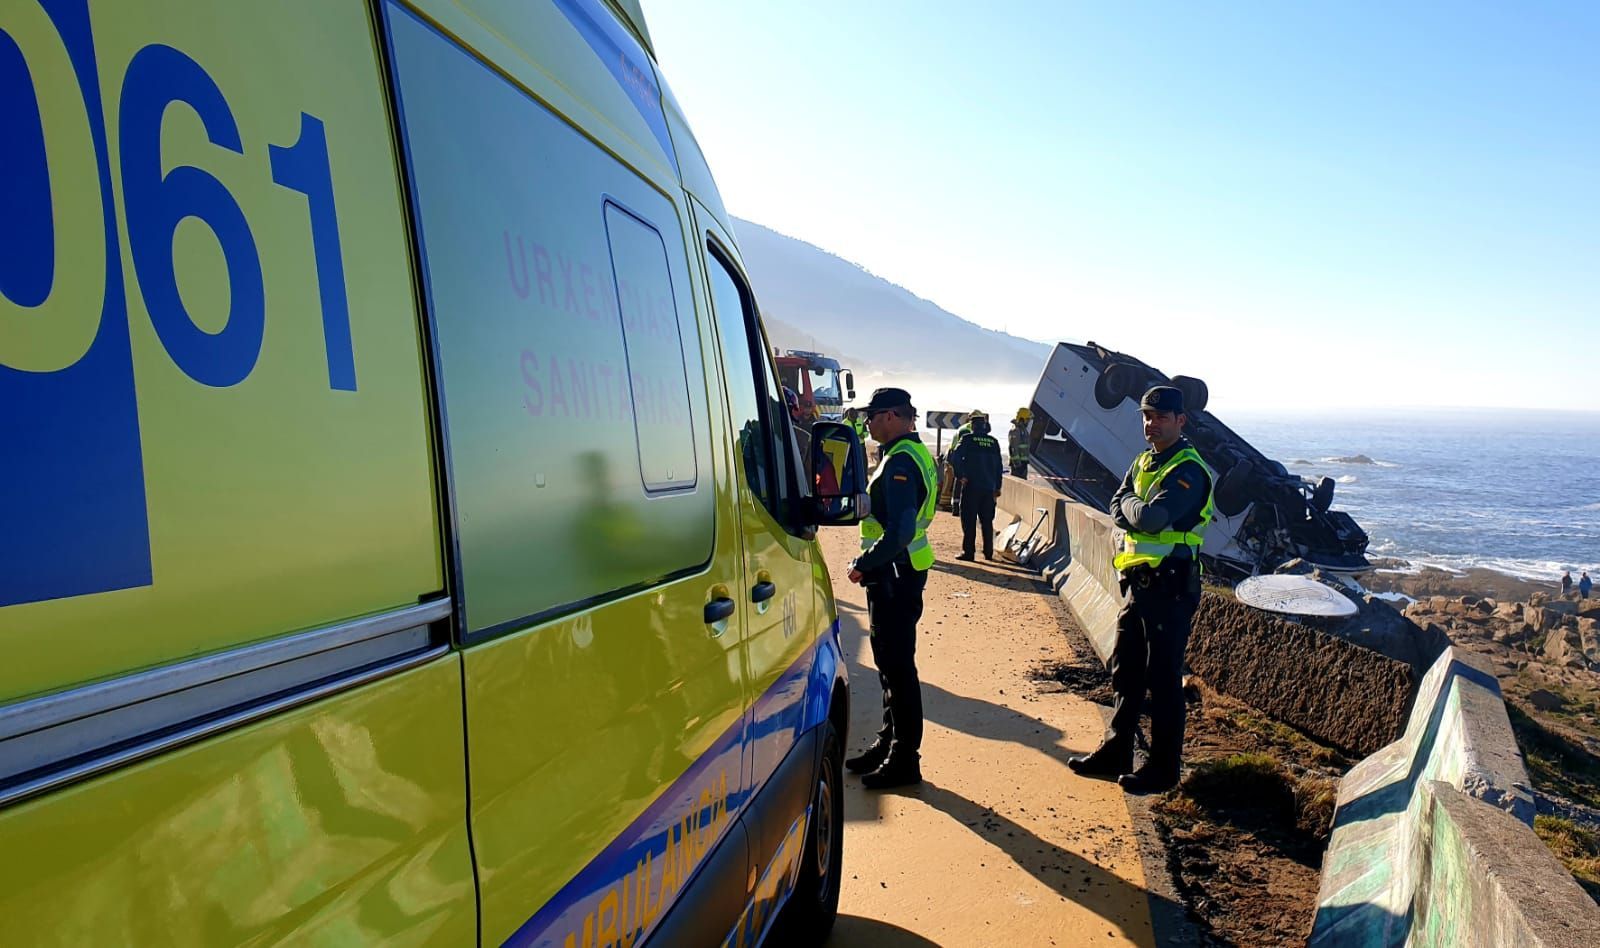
x,y
1513,491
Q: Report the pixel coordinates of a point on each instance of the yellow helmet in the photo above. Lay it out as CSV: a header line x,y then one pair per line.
x,y
1023,414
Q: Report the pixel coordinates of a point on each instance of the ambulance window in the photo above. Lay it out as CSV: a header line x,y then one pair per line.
x,y
573,400
650,333
735,315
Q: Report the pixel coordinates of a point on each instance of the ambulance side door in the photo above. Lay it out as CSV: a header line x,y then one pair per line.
x,y
778,579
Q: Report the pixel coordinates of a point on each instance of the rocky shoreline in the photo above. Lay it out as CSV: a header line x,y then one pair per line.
x,y
1391,576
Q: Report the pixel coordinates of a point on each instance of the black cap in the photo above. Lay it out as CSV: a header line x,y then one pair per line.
x,y
1162,398
883,398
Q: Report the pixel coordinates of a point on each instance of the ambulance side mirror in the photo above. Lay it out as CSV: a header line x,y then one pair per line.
x,y
849,386
838,469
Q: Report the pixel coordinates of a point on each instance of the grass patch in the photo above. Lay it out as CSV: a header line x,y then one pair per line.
x,y
1254,789
1248,721
1578,849
1556,764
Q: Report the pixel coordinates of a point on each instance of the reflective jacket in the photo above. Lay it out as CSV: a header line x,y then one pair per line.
x,y
1149,549
919,550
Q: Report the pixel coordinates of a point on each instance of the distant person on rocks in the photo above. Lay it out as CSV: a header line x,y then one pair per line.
x,y
1164,506
976,462
1585,584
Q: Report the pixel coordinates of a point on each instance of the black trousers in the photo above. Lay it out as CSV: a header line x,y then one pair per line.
x,y
1152,635
977,507
1019,469
893,607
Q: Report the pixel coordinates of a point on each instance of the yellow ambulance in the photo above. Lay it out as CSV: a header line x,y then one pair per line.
x,y
402,540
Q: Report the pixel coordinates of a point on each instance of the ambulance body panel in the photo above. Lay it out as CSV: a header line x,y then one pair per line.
x,y
410,547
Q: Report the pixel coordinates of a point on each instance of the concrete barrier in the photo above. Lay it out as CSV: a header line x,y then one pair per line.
x,y
1276,665
1432,841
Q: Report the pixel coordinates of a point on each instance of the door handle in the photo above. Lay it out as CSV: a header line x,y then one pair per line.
x,y
718,609
762,591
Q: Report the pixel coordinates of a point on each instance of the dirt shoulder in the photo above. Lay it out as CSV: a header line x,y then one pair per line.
x,y
1002,844
1239,844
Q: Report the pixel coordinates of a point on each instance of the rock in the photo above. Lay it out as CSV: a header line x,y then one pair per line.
x,y
1441,603
1353,459
1565,607
1509,633
1484,607
1508,610
1542,619
1561,647
1589,639
1546,700
1468,600
1296,566
1415,609
1589,608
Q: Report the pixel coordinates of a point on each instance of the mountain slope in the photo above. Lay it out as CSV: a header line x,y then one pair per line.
x,y
813,299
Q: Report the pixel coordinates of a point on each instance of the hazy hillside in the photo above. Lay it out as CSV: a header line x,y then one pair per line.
x,y
813,299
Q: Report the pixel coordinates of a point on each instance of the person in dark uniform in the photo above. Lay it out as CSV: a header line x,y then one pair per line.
x,y
893,566
1163,505
976,462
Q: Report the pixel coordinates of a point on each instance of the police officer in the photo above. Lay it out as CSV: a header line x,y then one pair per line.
x,y
1164,505
893,566
976,462
1017,441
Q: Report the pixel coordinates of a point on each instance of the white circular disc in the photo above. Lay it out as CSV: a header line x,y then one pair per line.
x,y
1294,595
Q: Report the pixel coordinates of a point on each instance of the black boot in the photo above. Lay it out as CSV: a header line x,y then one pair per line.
x,y
1108,761
894,773
966,557
1151,778
869,760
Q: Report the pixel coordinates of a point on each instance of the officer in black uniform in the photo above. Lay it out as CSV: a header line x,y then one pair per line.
x,y
893,566
1153,626
976,462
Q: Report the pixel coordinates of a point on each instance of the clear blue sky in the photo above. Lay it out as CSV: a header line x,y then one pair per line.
x,y
1364,204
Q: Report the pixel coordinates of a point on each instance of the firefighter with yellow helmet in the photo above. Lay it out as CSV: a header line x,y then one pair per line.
x,y
1018,443
1163,506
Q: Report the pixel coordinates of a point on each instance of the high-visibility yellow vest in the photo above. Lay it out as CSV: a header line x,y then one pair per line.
x,y
920,550
961,433
1150,549
860,426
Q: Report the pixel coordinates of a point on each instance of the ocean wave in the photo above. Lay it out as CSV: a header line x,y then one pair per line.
x,y
1545,570
1346,479
1595,506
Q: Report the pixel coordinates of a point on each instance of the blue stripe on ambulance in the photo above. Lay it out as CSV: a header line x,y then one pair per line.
x,y
674,834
